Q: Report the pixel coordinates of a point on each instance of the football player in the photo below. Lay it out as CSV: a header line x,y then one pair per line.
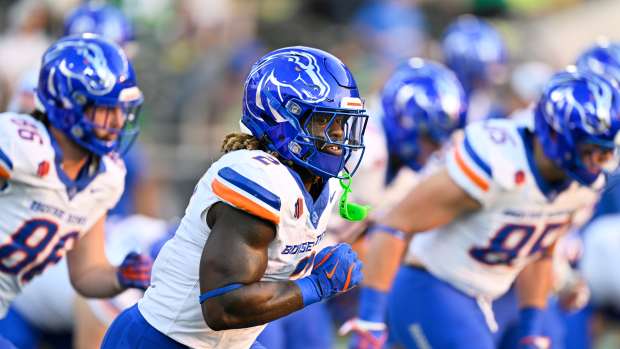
x,y
507,192
422,103
569,284
59,172
477,54
245,251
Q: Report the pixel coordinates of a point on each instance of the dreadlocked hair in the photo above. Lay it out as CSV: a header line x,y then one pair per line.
x,y
239,141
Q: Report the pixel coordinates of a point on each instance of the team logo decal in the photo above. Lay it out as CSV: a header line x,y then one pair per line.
x,y
92,70
43,169
302,76
594,115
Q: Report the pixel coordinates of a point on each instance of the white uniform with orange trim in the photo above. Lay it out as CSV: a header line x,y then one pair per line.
x,y
43,212
47,302
482,253
256,182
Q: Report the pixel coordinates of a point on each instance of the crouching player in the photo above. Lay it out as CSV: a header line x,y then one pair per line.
x,y
507,192
244,253
60,172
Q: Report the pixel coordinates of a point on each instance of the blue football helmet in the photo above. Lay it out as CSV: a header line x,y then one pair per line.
x,y
602,59
475,51
105,20
295,98
577,108
421,98
79,72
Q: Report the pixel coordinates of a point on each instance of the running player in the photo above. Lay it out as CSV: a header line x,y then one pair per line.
x,y
245,252
506,193
422,103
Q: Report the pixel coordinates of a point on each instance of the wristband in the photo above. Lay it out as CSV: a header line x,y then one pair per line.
x,y
310,293
531,321
387,230
372,304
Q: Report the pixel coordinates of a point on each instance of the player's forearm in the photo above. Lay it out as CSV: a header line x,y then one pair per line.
x,y
535,284
252,305
97,282
383,257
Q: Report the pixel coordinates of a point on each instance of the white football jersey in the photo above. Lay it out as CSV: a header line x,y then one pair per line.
x,y
43,211
258,183
47,302
481,253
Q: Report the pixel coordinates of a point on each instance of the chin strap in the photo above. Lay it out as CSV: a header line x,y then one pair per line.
x,y
349,210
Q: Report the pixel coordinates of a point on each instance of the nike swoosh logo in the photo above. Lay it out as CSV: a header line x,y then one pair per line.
x,y
331,273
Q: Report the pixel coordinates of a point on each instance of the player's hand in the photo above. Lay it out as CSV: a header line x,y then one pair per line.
x,y
364,334
575,297
336,269
135,271
534,342
368,330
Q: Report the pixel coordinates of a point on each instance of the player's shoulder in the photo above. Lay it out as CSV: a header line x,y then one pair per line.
x,y
25,145
255,165
493,144
489,157
493,135
251,180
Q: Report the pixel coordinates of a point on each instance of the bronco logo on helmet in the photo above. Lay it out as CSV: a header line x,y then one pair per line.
x,y
302,77
93,72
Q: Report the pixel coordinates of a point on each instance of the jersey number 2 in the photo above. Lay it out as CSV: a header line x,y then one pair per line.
x,y
27,243
510,241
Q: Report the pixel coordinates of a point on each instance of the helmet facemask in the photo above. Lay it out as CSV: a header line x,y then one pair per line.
x,y
327,138
108,131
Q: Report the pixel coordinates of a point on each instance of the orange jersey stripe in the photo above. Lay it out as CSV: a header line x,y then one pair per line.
x,y
473,176
242,202
4,173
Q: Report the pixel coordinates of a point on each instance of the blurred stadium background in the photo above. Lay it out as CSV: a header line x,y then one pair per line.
x,y
193,55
